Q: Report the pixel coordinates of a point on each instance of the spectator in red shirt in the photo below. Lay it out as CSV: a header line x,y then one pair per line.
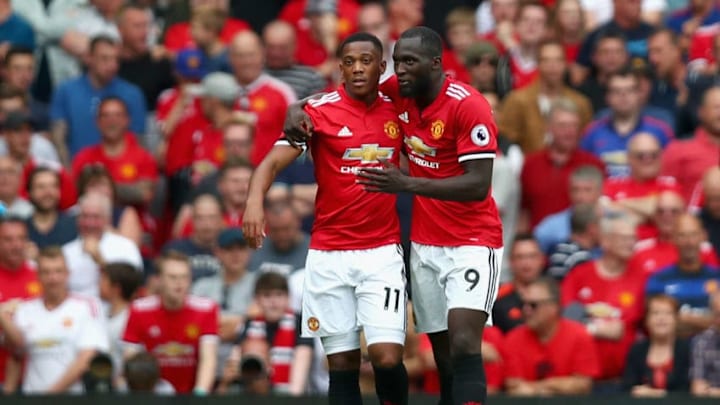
x,y
550,355
568,26
179,36
18,280
636,195
180,330
545,176
523,49
607,295
404,14
261,94
131,167
460,33
206,25
687,160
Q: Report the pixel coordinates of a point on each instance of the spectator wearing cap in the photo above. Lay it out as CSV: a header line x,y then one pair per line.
x,y
10,176
705,356
232,289
524,112
198,149
75,102
179,36
139,64
280,42
488,71
19,72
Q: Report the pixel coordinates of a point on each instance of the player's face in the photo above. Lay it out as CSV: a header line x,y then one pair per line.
x,y
661,319
13,241
273,303
45,192
361,66
175,279
413,67
53,275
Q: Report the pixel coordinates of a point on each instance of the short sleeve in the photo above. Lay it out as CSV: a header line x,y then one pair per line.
x,y
93,333
585,360
209,326
59,105
390,87
476,130
133,328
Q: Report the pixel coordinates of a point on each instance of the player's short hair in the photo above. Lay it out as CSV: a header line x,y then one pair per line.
x,y
37,171
582,217
234,163
588,173
361,37
430,41
51,252
460,16
550,285
142,372
271,281
111,99
564,104
100,40
16,51
124,275
171,256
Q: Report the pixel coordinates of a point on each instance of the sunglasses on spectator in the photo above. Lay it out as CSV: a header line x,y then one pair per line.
x,y
534,304
487,60
669,210
645,155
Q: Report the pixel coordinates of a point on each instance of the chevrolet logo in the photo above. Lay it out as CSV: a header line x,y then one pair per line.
x,y
368,153
418,146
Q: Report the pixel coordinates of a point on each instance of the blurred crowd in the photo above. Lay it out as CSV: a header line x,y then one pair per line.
x,y
130,129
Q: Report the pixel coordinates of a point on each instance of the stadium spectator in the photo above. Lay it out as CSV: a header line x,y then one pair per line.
x,y
10,176
583,245
608,295
558,356
598,12
179,36
18,279
497,17
232,290
688,280
488,70
545,176
585,189
373,18
404,14
607,137
460,33
698,82
525,112
57,333
179,329
609,56
280,44
206,24
688,159
141,373
286,246
14,29
207,223
696,26
139,64
636,195
97,18
96,245
19,72
666,57
30,142
250,373
261,94
627,20
74,104
526,265
567,25
704,356
125,220
119,282
523,48
290,354
48,225
657,253
710,209
659,364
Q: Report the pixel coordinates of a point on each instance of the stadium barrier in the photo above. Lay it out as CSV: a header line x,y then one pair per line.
x,y
415,400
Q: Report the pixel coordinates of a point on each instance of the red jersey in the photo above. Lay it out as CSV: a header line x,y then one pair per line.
x,y
622,188
268,98
173,337
208,150
494,371
178,35
570,351
68,191
16,284
456,127
652,255
619,298
523,72
133,164
179,147
350,135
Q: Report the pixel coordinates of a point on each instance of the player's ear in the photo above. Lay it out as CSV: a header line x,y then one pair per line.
x,y
437,62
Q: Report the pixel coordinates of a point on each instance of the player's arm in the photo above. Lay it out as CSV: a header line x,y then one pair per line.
x,y
205,377
73,373
280,157
298,126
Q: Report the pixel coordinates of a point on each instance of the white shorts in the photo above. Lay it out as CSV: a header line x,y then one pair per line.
x,y
444,278
346,290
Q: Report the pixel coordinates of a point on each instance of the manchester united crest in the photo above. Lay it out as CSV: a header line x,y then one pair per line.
x,y
128,171
437,128
313,324
192,331
392,129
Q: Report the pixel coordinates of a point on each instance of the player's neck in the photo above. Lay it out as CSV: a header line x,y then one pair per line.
x,y
367,99
436,84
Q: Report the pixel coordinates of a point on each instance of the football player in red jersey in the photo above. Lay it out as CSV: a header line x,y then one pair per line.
x,y
456,234
355,274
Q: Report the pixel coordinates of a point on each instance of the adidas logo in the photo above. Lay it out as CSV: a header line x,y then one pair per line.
x,y
404,117
345,132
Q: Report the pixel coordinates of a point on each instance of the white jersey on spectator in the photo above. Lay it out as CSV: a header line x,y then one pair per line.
x,y
116,329
55,338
